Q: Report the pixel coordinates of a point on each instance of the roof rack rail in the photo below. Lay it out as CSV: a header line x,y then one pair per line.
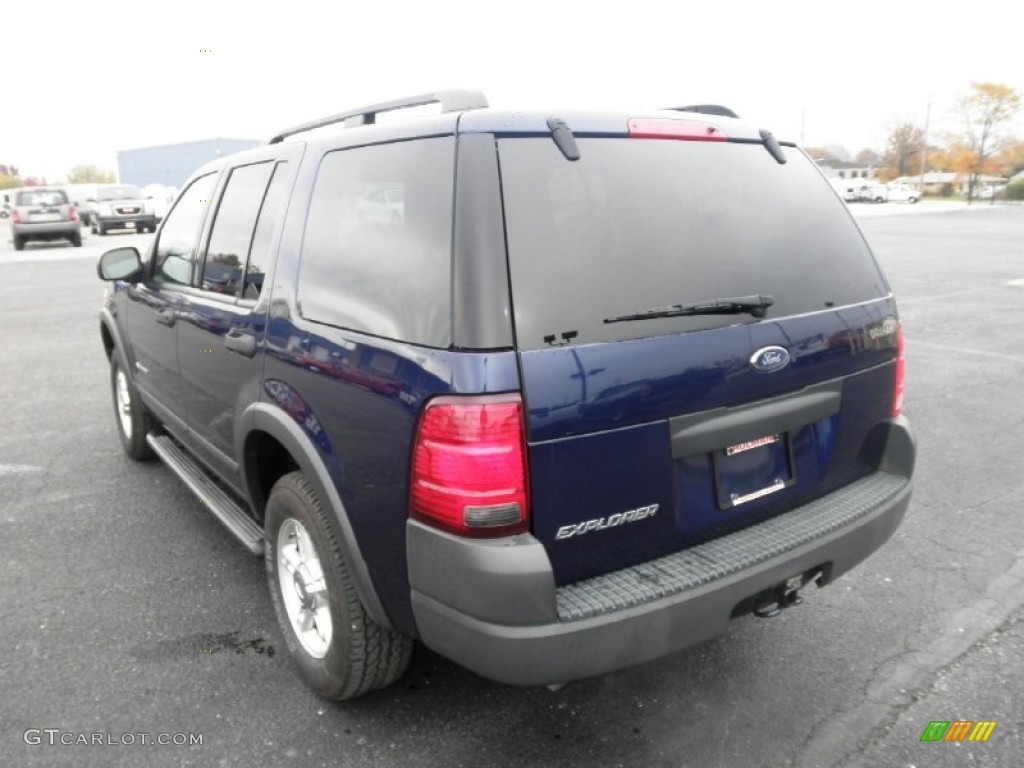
x,y
450,101
707,109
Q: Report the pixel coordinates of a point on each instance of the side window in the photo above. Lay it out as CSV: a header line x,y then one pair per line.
x,y
270,214
376,254
228,250
175,252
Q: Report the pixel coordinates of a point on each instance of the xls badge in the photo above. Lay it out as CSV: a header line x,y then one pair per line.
x,y
601,523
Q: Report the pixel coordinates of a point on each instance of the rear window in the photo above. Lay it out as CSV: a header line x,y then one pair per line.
x,y
42,197
376,255
638,224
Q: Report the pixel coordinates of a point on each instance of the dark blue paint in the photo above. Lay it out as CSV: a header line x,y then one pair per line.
x,y
598,426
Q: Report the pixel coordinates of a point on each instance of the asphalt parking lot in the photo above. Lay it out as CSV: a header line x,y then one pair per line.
x,y
126,609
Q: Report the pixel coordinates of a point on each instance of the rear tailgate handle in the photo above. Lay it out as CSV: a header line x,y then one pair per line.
x,y
241,342
166,317
709,431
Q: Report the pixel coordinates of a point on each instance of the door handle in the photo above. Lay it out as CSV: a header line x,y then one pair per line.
x,y
165,317
241,342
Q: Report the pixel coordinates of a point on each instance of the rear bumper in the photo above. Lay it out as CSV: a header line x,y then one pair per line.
x,y
493,606
48,229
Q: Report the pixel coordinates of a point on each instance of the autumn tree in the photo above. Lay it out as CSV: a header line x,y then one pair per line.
x,y
985,111
1010,159
903,148
90,174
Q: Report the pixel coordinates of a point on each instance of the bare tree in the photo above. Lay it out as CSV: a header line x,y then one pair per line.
x,y
867,156
986,110
902,147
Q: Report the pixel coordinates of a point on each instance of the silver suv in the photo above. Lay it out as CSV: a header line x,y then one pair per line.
x,y
120,206
41,213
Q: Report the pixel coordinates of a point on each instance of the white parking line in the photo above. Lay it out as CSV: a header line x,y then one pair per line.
x,y
14,469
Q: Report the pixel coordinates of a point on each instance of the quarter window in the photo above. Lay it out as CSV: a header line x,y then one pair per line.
x,y
376,256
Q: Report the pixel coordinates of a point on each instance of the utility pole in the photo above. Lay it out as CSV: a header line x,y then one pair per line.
x,y
924,145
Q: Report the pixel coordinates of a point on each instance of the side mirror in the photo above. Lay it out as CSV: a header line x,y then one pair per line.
x,y
120,264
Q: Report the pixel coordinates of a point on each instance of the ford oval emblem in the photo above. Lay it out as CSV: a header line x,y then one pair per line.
x,y
769,359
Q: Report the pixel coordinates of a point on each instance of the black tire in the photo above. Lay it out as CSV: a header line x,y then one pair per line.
x,y
359,655
19,242
76,240
132,419
99,229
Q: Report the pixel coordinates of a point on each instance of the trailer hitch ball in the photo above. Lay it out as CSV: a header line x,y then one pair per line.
x,y
775,600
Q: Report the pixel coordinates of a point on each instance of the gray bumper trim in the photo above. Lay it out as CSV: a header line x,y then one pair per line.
x,y
698,610
721,557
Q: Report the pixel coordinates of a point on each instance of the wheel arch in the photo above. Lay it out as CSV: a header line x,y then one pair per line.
x,y
271,434
110,335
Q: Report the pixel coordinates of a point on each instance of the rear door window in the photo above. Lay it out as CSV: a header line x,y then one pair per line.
x,y
638,224
376,255
228,249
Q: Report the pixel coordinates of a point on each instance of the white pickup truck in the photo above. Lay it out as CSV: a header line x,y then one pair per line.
x,y
901,193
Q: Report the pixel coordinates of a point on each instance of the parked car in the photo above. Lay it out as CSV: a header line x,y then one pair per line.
x,y
120,206
902,193
606,382
79,195
43,213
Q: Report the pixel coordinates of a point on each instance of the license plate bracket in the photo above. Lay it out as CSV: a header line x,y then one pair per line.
x,y
753,469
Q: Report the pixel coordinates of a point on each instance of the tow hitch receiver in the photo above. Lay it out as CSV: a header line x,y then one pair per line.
x,y
771,602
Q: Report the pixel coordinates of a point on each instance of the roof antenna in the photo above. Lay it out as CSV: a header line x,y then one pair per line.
x,y
773,147
564,140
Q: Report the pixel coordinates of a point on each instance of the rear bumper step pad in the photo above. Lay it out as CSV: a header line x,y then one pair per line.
x,y
730,554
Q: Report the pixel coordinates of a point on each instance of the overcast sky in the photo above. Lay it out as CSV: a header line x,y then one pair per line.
x,y
86,79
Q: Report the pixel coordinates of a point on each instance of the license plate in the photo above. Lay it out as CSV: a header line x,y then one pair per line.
x,y
46,217
752,470
130,224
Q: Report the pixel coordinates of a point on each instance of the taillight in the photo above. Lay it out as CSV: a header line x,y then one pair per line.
x,y
15,217
72,214
685,130
469,472
897,396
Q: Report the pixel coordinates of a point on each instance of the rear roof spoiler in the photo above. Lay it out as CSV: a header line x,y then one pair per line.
x,y
706,109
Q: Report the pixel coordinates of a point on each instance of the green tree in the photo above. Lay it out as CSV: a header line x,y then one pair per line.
x,y
986,110
90,174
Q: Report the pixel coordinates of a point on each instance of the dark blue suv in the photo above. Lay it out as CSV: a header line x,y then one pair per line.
x,y
554,394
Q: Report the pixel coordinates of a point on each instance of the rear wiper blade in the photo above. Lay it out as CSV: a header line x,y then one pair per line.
x,y
755,305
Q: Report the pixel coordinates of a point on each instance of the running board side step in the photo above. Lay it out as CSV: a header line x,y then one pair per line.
x,y
223,507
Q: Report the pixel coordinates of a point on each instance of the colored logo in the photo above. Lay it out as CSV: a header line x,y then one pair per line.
x,y
958,730
769,359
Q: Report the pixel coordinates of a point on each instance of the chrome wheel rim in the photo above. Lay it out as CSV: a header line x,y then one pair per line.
x,y
124,403
303,588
